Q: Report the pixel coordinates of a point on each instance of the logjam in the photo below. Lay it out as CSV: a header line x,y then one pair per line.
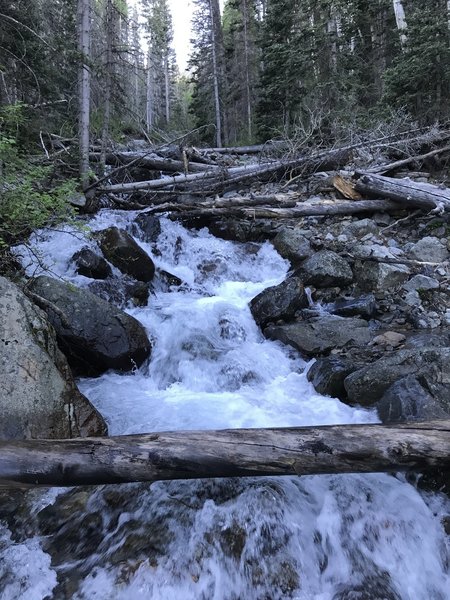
x,y
227,453
405,191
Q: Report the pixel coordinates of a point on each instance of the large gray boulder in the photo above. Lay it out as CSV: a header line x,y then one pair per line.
x,y
374,276
124,253
368,384
328,375
408,400
318,336
292,244
90,264
279,302
326,269
38,397
95,335
429,249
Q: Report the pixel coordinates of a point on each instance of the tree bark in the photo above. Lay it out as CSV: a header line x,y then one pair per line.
x,y
227,453
84,87
213,10
405,191
400,19
151,161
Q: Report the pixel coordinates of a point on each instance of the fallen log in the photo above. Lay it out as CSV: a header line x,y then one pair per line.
x,y
325,160
151,161
308,209
227,453
382,169
409,193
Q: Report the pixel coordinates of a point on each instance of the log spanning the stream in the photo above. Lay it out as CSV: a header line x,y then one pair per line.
x,y
227,453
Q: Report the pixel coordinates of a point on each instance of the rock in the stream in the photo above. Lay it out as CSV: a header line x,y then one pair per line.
x,y
326,269
319,336
429,249
373,276
292,244
38,397
121,292
364,306
146,227
90,264
279,302
125,254
368,384
408,400
327,375
95,335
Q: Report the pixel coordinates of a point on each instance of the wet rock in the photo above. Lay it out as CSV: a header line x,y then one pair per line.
x,y
364,306
124,253
320,335
238,230
168,279
429,249
38,397
421,282
121,292
361,228
279,302
326,269
328,374
375,276
373,588
90,264
146,227
368,384
292,244
95,335
408,400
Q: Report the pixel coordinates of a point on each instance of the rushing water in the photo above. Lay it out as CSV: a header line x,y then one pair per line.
x,y
346,537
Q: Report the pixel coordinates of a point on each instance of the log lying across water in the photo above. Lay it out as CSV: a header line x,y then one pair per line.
x,y
227,453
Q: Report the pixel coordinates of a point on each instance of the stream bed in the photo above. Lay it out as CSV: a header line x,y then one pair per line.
x,y
345,537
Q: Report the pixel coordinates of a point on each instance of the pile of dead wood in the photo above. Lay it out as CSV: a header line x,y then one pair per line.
x,y
182,179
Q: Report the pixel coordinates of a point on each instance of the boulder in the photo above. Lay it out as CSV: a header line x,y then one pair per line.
x,y
421,282
95,335
364,306
326,269
279,302
146,227
90,264
124,253
38,397
374,276
361,228
327,376
292,244
121,292
408,400
320,335
368,384
429,249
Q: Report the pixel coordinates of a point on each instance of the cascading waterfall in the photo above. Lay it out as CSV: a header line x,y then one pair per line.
x,y
308,538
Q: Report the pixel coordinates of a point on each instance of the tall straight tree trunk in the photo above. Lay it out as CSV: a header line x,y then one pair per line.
x,y
84,87
167,88
108,81
400,19
213,10
149,104
247,71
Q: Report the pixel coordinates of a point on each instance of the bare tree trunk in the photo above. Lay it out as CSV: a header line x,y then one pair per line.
x,y
213,17
247,70
149,103
84,86
400,19
167,88
108,81
227,453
